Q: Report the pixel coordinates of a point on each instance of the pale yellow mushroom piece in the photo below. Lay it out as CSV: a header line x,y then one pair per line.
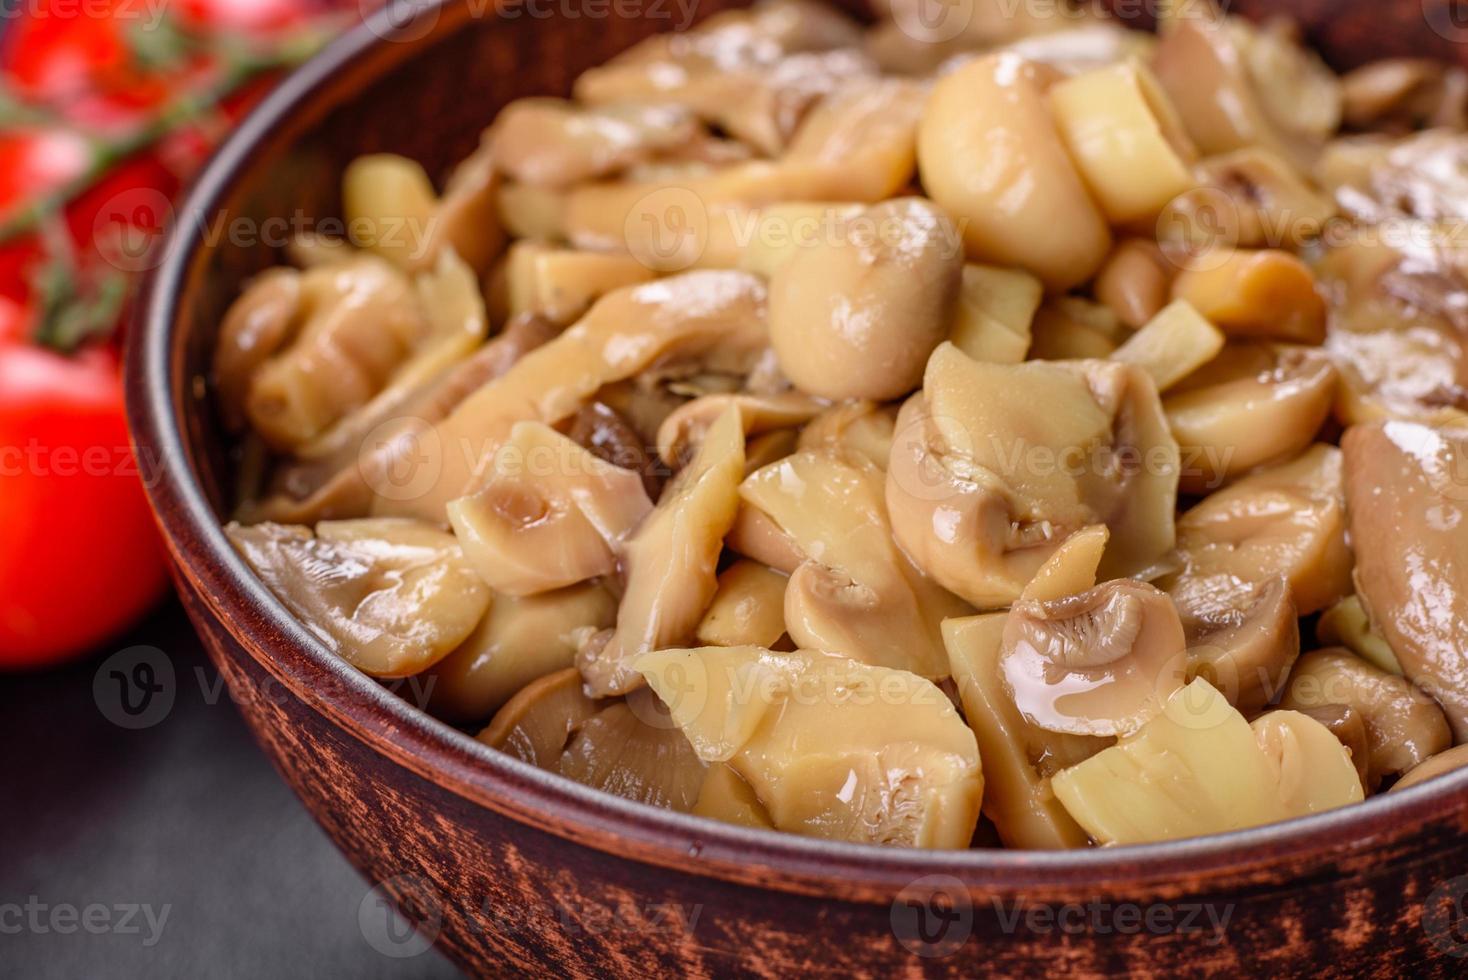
x,y
1439,765
530,212
831,747
560,284
715,320
1249,198
1072,568
858,315
555,143
1405,493
861,427
263,320
747,610
727,797
550,514
1172,345
1071,328
520,639
353,324
755,535
983,489
1288,521
1019,758
1200,768
1405,94
390,597
990,155
1252,405
1246,651
671,562
683,431
1101,662
1346,624
1135,283
995,313
537,722
1266,294
854,593
777,232
1404,727
1126,139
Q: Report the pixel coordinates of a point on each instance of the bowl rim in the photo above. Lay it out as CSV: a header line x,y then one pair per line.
x,y
294,656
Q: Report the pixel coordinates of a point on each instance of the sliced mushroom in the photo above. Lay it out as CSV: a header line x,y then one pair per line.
x,y
1072,569
391,597
609,436
1200,768
716,319
854,593
535,725
1172,345
1406,499
1101,662
982,489
756,535
1135,282
1285,521
747,610
1403,726
520,639
991,156
554,143
550,514
1405,94
995,313
725,796
1346,624
671,562
258,324
861,427
1265,294
1252,405
560,284
1246,651
833,748
1019,758
1249,198
681,434
1439,765
1346,724
858,315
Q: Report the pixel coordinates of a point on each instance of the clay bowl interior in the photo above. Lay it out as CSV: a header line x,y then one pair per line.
x,y
509,866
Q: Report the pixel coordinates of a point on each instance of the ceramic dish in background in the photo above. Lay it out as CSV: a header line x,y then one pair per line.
x,y
511,867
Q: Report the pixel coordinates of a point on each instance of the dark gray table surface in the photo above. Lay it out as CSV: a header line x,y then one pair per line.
x,y
169,851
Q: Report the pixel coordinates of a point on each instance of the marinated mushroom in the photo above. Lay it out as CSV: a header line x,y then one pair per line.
x,y
1250,406
747,610
995,313
854,592
1439,765
831,747
554,143
982,489
560,284
1266,294
1404,727
550,515
1172,345
391,597
1405,497
859,427
1346,624
858,315
1200,768
1246,650
1101,662
671,562
1135,282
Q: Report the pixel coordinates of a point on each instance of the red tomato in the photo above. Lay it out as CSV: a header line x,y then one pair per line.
x,y
81,559
33,163
254,16
61,49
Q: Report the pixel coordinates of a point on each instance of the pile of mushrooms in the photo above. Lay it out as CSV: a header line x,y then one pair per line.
x,y
1049,433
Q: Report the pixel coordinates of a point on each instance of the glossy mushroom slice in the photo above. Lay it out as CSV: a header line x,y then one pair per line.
x,y
553,143
995,314
560,284
337,345
982,489
861,427
1200,768
1247,650
1346,624
1405,94
520,639
1255,294
1403,726
854,592
535,725
683,431
550,514
1252,405
1285,521
1102,662
857,314
671,562
712,319
831,747
1439,765
1019,757
391,597
263,320
725,796
1250,198
747,610
1406,496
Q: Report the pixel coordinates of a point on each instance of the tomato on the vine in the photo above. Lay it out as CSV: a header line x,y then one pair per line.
x,y
81,559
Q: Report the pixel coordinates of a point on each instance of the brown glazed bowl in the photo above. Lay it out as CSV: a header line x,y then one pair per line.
x,y
515,870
